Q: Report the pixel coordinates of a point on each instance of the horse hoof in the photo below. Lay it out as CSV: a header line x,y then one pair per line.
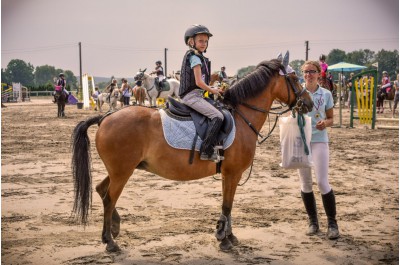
x,y
233,240
113,248
225,245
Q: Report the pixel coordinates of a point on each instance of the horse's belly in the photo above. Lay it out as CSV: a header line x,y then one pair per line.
x,y
174,170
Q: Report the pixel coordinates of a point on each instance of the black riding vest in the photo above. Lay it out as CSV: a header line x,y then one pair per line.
x,y
160,70
61,82
188,82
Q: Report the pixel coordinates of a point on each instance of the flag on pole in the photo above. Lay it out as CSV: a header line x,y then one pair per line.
x,y
375,64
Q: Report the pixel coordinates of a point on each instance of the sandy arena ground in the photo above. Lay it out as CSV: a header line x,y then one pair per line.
x,y
169,222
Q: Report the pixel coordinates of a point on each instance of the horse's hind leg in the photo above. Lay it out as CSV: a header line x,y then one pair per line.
x,y
102,189
109,201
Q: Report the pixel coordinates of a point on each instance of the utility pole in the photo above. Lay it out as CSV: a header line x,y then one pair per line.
x,y
307,49
80,69
165,61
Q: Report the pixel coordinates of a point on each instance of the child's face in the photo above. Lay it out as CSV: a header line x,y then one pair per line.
x,y
201,42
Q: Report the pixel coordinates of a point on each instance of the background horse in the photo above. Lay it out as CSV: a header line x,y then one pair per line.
x,y
111,100
152,92
139,93
251,99
61,99
324,82
381,96
215,77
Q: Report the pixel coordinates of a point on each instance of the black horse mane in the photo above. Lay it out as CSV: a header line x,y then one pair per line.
x,y
252,84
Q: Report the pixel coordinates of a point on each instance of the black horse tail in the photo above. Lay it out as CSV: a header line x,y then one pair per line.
x,y
81,163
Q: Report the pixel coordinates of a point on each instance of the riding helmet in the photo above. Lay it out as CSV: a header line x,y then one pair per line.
x,y
158,62
384,72
194,30
322,57
61,74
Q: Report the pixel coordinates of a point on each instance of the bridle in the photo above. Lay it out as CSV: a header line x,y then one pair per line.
x,y
297,106
140,77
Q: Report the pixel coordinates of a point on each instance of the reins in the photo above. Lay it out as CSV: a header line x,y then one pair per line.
x,y
297,106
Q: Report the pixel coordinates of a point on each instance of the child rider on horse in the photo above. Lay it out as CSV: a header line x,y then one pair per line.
x,y
62,84
159,70
195,79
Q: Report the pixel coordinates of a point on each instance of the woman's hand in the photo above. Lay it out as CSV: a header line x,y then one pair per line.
x,y
321,125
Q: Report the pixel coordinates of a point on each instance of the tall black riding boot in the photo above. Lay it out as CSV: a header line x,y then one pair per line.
x,y
207,147
311,208
330,210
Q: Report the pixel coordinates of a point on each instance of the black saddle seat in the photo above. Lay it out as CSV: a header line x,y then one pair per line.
x,y
200,121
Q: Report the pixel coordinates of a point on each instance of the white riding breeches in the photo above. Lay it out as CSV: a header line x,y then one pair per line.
x,y
320,156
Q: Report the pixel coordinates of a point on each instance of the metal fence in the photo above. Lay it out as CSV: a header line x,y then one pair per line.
x,y
40,93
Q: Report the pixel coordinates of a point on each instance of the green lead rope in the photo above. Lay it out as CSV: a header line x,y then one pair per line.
x,y
301,123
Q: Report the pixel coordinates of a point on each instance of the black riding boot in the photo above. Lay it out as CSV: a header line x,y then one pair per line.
x,y
207,147
311,208
330,210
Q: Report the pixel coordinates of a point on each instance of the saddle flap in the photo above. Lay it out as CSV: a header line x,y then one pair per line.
x,y
165,85
200,121
178,108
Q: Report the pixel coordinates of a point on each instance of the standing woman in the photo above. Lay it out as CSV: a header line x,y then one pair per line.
x,y
322,117
126,90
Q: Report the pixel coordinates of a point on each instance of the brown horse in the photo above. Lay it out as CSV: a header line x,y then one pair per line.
x,y
324,82
139,93
61,99
216,78
251,99
381,97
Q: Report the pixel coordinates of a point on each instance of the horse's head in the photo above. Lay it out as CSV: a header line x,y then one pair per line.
x,y
140,76
115,93
298,97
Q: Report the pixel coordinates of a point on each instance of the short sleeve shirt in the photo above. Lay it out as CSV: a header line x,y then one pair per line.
x,y
194,60
323,101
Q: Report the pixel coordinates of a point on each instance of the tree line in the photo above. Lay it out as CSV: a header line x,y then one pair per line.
x,y
387,61
42,77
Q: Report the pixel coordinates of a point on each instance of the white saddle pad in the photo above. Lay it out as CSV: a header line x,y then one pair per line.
x,y
180,134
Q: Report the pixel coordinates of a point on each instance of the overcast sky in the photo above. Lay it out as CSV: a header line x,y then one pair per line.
x,y
120,36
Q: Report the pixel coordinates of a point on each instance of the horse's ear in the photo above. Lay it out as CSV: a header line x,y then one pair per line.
x,y
285,61
144,70
279,57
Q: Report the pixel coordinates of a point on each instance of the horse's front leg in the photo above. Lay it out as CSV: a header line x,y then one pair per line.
x,y
224,225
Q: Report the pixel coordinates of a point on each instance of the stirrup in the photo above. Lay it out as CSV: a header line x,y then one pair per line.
x,y
215,157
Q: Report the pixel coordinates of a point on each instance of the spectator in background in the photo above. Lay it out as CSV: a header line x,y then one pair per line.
x,y
222,75
396,95
126,90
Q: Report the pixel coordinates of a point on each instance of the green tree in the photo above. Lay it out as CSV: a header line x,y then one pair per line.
x,y
19,71
242,72
44,74
71,79
336,56
388,61
4,77
360,57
